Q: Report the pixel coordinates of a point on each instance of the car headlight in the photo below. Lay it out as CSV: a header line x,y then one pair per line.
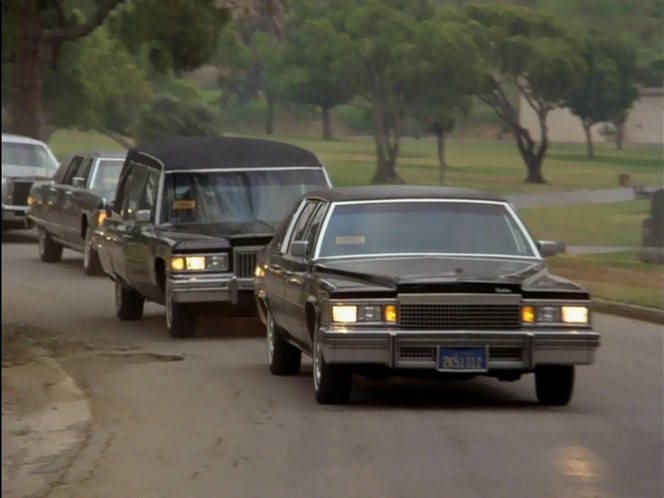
x,y
351,313
259,271
344,313
574,314
554,314
209,262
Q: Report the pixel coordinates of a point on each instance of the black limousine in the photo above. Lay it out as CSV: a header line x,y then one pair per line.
x,y
189,216
418,281
68,208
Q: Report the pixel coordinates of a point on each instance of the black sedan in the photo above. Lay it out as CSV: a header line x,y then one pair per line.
x,y
420,281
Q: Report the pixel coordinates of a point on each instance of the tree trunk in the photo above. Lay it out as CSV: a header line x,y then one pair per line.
x,y
327,124
387,135
440,142
620,135
269,122
589,139
25,104
533,159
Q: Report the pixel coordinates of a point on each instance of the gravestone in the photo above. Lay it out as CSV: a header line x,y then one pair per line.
x,y
652,247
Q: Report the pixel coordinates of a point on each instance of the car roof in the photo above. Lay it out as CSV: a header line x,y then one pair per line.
x,y
382,192
184,153
120,154
20,139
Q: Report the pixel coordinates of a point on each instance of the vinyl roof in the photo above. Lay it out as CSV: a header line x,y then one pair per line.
x,y
400,192
221,152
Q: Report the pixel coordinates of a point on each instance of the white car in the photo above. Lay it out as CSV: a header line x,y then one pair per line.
x,y
24,161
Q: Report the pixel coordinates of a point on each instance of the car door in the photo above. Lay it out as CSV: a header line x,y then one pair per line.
x,y
125,206
293,270
74,196
140,244
60,198
296,290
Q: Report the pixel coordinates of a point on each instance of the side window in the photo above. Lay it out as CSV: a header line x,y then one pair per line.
x,y
84,169
71,170
301,225
314,226
133,191
149,198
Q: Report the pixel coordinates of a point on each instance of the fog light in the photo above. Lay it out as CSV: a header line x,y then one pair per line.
x,y
101,216
344,314
575,314
177,264
390,313
527,314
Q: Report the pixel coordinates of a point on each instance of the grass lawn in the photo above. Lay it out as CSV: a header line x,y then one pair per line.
x,y
614,224
617,276
493,165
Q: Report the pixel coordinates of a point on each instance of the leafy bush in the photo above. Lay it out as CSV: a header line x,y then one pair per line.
x,y
169,116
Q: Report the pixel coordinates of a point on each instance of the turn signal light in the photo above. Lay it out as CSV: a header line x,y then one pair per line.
x,y
101,216
527,314
390,313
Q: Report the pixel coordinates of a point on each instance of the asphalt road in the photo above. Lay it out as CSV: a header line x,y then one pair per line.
x,y
217,423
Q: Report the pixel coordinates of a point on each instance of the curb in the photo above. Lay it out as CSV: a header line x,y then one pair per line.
x,y
40,444
652,315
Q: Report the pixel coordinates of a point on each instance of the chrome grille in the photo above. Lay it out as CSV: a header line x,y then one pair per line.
x,y
417,353
505,354
20,191
244,262
459,316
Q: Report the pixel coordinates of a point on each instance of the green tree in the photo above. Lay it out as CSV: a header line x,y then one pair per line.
x,y
608,89
385,65
310,68
448,73
98,85
530,50
35,31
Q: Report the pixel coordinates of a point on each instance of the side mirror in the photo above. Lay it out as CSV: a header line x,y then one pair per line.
x,y
298,248
78,181
109,208
143,216
548,247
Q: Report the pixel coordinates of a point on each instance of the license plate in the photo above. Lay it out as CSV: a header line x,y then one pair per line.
x,y
462,359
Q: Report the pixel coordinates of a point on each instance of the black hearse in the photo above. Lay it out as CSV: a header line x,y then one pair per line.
x,y
189,216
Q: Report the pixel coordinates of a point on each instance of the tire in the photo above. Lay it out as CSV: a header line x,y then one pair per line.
x,y
91,263
128,302
180,321
282,358
554,384
49,250
332,383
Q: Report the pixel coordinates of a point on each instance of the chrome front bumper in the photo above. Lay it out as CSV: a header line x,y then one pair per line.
x,y
207,288
15,215
507,350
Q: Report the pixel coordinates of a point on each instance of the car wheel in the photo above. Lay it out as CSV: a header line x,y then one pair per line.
x,y
282,358
128,302
180,321
49,250
554,384
332,383
91,264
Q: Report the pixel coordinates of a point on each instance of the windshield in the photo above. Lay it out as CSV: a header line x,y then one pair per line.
x,y
106,176
236,196
29,155
423,227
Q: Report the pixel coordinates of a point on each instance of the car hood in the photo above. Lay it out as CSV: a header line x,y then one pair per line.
x,y
211,236
442,274
13,171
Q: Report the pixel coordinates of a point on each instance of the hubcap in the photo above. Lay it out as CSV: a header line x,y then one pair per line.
x,y
270,338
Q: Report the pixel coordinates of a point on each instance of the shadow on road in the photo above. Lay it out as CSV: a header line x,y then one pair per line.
x,y
207,326
19,237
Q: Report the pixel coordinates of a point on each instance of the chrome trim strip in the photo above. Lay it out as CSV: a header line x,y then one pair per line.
x,y
233,170
459,298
